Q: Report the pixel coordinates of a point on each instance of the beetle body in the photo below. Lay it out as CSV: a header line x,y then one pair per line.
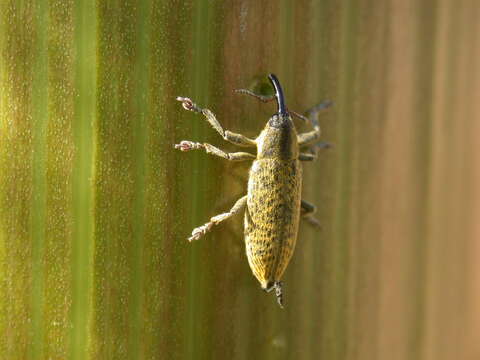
x,y
272,213
273,204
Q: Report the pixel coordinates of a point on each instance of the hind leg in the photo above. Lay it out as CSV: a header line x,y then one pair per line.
x,y
198,232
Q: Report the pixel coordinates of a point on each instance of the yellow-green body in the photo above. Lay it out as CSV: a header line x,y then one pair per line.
x,y
272,213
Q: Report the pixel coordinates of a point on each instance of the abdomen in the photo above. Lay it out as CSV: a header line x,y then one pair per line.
x,y
272,217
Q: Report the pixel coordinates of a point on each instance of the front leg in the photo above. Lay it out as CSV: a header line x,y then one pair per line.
x,y
197,233
312,114
234,138
210,149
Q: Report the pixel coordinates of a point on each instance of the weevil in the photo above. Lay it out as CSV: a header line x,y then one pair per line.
x,y
273,204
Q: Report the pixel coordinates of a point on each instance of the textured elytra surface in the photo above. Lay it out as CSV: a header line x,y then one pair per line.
x,y
272,216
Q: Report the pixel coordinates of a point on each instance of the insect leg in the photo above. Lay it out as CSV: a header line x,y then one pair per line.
x,y
312,114
313,155
210,149
307,211
234,138
197,233
307,157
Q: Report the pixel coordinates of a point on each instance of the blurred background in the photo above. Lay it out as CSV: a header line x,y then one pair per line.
x,y
96,206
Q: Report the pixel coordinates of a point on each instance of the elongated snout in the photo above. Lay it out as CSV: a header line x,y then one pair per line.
x,y
282,108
